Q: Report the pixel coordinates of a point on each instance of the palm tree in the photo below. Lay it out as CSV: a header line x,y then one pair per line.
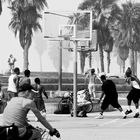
x,y
101,11
123,52
83,55
25,20
108,48
128,29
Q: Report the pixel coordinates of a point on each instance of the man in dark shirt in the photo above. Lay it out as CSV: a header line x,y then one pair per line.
x,y
110,95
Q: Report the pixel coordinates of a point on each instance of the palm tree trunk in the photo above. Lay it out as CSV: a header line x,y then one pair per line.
x,y
82,61
90,59
132,63
108,62
101,57
135,55
25,57
123,66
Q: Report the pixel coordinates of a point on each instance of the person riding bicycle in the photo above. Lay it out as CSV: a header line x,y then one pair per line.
x,y
16,112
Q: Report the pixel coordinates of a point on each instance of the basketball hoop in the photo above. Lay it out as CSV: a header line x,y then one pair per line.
x,y
67,37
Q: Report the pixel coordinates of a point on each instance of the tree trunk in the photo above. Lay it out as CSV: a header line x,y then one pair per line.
x,y
108,62
82,61
25,57
132,63
90,59
101,57
123,66
135,56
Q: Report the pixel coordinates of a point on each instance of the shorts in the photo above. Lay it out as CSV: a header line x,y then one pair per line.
x,y
40,104
110,101
134,95
31,134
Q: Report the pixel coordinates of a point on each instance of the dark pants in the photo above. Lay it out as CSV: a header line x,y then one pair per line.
x,y
110,101
134,95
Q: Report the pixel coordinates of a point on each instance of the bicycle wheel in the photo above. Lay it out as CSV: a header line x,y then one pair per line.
x,y
89,107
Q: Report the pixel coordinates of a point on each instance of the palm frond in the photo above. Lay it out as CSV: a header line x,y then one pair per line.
x,y
108,3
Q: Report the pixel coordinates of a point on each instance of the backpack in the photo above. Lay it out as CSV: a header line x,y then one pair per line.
x,y
9,132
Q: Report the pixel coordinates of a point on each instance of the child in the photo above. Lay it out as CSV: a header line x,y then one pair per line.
x,y
38,96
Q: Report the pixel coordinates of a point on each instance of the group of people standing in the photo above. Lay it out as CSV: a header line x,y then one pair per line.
x,y
109,94
15,82
22,96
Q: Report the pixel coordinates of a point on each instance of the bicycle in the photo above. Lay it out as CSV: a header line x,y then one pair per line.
x,y
45,135
67,102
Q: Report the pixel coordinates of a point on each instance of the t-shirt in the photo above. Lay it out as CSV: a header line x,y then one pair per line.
x,y
11,84
109,88
24,80
16,112
135,82
11,61
41,90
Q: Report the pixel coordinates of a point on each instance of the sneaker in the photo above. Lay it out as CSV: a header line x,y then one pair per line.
x,y
36,119
128,112
136,115
124,117
100,117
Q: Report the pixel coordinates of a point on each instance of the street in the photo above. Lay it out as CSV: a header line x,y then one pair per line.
x,y
112,127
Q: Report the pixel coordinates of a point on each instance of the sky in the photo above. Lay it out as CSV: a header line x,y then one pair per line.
x,y
41,56
10,44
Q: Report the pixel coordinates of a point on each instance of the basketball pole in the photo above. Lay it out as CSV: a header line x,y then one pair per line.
x,y
60,68
75,80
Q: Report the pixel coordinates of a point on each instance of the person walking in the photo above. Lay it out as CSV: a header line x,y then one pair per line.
x,y
11,62
110,95
16,112
13,83
39,90
91,76
133,95
26,78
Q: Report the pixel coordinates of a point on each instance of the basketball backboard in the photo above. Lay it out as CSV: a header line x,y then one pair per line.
x,y
60,24
88,45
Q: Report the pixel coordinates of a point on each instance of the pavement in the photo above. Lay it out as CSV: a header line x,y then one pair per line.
x,y
112,127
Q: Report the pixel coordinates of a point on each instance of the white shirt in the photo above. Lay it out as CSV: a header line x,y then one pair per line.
x,y
11,85
135,84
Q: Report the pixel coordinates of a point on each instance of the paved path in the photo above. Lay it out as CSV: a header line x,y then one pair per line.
x,y
112,127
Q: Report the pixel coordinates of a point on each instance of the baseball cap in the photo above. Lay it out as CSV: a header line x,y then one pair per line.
x,y
25,87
